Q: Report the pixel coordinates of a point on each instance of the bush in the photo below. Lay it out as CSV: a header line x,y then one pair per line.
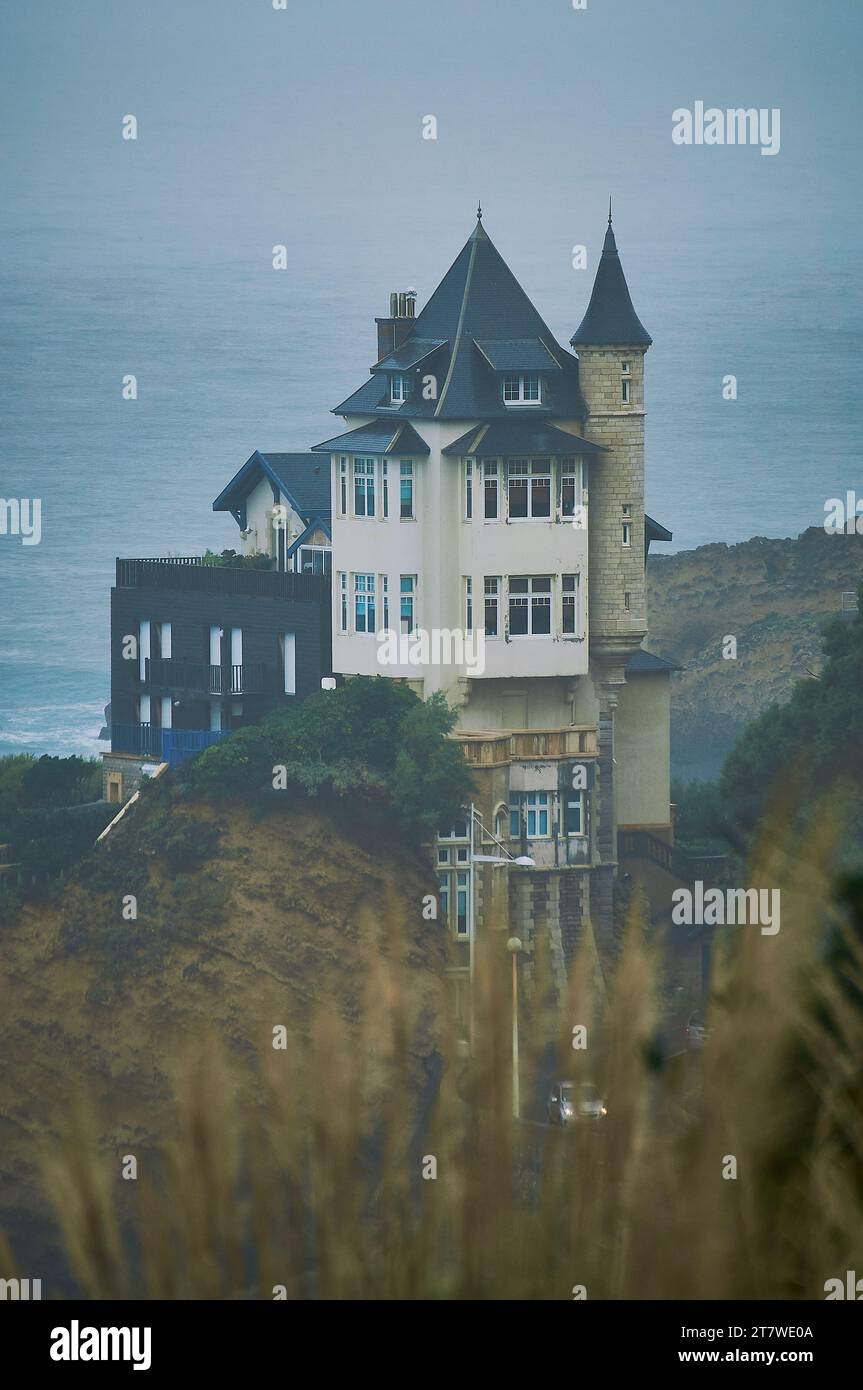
x,y
231,559
372,741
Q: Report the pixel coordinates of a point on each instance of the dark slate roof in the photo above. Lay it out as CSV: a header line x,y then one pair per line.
x,y
303,478
654,531
380,437
521,438
519,355
610,317
643,663
409,354
478,300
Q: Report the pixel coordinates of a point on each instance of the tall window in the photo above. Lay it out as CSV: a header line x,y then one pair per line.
x,y
468,489
399,389
454,891
626,536
492,605
343,601
529,488
364,603
407,603
576,822
572,485
570,604
468,604
385,489
530,606
343,487
521,389
406,490
385,601
625,382
489,486
364,487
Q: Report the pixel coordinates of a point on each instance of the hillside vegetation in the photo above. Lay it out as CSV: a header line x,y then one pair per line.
x,y
774,597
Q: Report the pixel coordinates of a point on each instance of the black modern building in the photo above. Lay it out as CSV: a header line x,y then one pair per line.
x,y
199,650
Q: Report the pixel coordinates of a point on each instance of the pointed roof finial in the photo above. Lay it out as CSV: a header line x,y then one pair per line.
x,y
609,209
479,211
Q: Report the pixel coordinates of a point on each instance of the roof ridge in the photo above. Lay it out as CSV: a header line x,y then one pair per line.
x,y
460,325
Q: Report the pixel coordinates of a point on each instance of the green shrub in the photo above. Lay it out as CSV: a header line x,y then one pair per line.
x,y
371,742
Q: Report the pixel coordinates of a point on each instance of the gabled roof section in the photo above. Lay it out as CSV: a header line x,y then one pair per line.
x,y
479,301
317,523
520,439
610,318
379,437
410,354
519,355
302,478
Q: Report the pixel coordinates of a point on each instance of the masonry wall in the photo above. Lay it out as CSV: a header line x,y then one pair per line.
x,y
642,750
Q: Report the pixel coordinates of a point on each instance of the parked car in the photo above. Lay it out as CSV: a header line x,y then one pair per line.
x,y
696,1031
570,1101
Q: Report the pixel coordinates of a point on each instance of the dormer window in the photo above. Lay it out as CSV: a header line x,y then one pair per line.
x,y
399,389
521,389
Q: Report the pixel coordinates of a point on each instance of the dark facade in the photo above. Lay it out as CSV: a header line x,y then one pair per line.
x,y
200,650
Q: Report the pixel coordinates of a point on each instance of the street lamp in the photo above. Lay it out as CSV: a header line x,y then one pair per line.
x,y
514,947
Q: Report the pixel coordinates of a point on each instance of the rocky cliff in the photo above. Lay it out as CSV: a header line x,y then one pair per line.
x,y
773,597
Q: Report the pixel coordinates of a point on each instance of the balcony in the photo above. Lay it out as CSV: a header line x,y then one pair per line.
x,y
528,745
200,678
189,573
172,746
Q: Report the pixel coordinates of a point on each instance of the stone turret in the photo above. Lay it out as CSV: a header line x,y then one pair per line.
x,y
611,343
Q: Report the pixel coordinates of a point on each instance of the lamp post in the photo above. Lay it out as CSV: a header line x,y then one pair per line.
x,y
514,947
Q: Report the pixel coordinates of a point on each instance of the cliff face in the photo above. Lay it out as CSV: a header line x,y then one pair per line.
x,y
774,597
243,925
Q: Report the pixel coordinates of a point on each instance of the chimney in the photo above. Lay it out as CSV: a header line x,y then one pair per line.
x,y
393,331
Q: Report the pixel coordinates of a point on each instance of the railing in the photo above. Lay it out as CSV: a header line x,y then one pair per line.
x,y
525,745
171,746
189,573
687,868
201,677
144,740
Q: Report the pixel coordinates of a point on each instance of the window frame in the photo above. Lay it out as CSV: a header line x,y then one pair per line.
x,y
530,595
410,478
408,596
364,472
367,593
403,394
521,382
491,598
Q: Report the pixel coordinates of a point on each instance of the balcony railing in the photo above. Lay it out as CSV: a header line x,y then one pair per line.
x,y
199,677
171,746
190,573
525,745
